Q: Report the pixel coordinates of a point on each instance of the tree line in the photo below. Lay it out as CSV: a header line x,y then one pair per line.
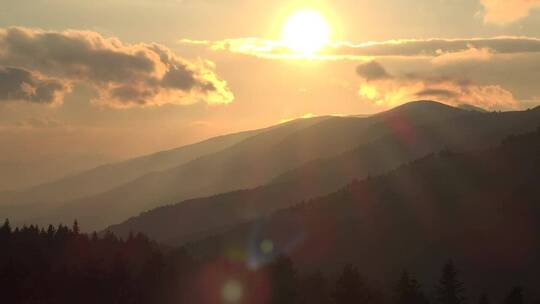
x,y
61,265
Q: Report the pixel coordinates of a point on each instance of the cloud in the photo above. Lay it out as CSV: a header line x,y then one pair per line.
x,y
507,11
261,48
392,48
394,90
372,71
18,84
439,47
504,65
470,54
123,74
503,69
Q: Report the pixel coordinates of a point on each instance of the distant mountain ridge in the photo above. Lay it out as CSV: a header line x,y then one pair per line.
x,y
479,208
309,156
35,205
111,175
250,163
20,175
54,194
407,142
400,139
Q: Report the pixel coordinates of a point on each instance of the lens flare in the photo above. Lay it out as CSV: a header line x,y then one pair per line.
x,y
232,292
267,247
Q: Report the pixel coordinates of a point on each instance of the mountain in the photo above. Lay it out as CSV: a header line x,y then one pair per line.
x,y
250,163
106,177
23,174
479,208
84,196
395,137
406,141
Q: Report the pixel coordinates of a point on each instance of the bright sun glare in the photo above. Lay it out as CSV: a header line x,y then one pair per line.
x,y
306,32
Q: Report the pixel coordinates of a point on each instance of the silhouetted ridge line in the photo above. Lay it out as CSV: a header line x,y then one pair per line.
x,y
480,207
396,142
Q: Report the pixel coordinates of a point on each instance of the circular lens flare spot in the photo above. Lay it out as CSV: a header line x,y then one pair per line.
x,y
267,247
306,32
232,292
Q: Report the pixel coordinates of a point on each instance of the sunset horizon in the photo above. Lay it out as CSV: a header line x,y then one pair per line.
x,y
270,152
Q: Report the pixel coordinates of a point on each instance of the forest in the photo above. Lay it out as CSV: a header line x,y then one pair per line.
x,y
62,265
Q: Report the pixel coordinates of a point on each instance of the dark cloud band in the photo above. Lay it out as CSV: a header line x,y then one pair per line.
x,y
406,47
23,85
123,74
437,47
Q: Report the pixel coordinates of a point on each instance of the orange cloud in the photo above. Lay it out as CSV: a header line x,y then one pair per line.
x,y
507,11
394,90
471,53
441,68
124,75
261,48
429,48
18,84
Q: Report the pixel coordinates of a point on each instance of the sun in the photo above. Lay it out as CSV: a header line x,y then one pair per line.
x,y
306,32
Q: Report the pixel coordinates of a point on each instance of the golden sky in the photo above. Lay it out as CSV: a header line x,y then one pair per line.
x,y
114,79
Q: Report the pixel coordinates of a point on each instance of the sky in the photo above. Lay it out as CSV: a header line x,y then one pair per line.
x,y
85,82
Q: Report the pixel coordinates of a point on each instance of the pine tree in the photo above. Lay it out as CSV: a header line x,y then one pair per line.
x,y
284,281
5,235
94,238
50,232
314,289
76,230
515,296
408,291
450,290
350,287
62,232
6,228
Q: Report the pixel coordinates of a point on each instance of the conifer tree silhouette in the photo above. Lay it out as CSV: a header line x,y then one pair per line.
x,y
450,290
351,288
283,281
408,291
313,289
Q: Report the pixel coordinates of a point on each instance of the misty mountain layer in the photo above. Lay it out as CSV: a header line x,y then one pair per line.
x,y
480,208
396,137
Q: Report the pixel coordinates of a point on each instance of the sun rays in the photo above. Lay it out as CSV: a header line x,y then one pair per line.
x,y
305,32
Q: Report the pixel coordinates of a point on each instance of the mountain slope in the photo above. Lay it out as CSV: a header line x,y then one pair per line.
x,y
111,175
24,174
479,208
36,200
406,142
250,163
399,143
144,189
